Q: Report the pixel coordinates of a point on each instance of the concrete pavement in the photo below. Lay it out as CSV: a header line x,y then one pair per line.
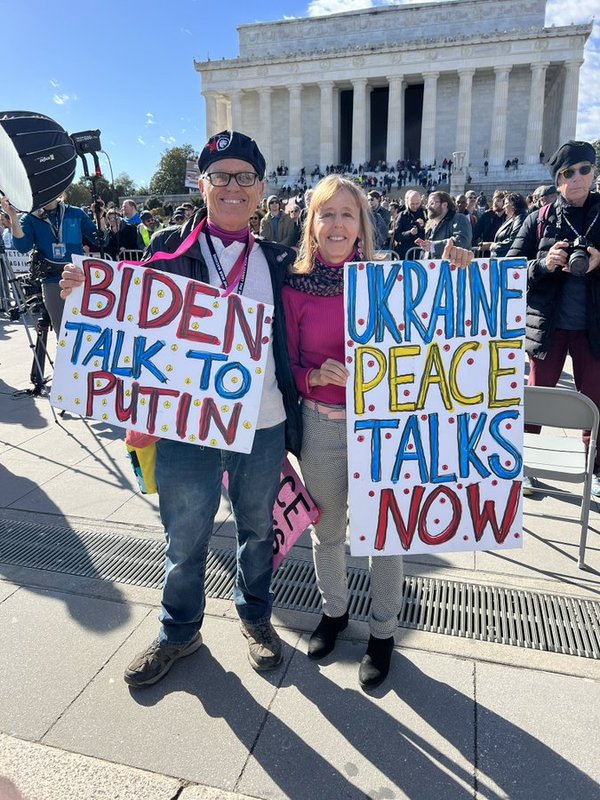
x,y
458,717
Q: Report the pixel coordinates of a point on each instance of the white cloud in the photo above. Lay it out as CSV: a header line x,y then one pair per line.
x,y
140,140
54,83
150,118
167,139
60,99
185,30
567,12
318,8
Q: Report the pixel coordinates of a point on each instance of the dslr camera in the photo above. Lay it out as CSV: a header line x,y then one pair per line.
x,y
579,258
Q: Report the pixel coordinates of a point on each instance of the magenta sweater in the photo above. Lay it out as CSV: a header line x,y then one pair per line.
x,y
315,332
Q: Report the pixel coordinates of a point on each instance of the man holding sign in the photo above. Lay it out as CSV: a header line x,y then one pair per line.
x,y
215,247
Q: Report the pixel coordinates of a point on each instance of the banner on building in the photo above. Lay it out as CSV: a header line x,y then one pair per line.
x,y
435,405
160,354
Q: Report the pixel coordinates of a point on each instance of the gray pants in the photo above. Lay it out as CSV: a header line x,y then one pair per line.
x,y
53,302
325,469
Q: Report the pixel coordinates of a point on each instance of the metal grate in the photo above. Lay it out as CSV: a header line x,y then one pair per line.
x,y
552,623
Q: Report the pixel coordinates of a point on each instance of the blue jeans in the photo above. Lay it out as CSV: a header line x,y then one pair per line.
x,y
189,481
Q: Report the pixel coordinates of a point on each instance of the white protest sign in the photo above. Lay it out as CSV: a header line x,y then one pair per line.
x,y
160,354
434,405
18,262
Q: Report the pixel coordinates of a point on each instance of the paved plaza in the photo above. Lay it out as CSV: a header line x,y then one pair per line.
x,y
459,717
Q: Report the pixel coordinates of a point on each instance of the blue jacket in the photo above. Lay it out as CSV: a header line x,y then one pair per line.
x,y
38,232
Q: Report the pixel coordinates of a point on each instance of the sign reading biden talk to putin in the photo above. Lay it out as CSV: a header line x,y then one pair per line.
x,y
435,405
161,354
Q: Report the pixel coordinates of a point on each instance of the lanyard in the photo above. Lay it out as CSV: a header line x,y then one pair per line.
x,y
591,225
237,275
57,229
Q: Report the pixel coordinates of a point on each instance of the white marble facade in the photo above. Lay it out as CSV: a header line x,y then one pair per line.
x,y
480,76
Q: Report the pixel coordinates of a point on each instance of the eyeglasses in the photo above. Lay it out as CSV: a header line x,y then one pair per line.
x,y
224,178
569,172
254,218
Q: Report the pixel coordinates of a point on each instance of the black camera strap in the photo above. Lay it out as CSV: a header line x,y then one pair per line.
x,y
576,232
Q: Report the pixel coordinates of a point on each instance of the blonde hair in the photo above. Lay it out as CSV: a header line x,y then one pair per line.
x,y
323,192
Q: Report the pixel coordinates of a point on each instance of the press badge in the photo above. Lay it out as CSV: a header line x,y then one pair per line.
x,y
59,250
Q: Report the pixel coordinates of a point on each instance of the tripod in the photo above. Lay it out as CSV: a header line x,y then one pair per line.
x,y
16,305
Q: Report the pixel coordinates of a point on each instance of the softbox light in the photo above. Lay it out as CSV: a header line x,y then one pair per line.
x,y
37,159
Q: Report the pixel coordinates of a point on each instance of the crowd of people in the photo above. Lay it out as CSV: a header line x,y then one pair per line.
x,y
292,255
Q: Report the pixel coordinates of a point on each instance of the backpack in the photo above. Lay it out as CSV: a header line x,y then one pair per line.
x,y
542,221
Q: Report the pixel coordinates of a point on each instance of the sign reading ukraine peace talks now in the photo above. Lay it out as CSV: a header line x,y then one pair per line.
x,y
161,354
435,405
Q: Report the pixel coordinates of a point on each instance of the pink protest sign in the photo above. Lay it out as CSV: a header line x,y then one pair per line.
x,y
294,511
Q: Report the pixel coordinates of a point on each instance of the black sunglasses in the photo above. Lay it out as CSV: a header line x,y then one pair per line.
x,y
570,171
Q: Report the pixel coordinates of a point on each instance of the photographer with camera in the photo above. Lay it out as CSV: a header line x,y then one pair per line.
x,y
562,244
57,231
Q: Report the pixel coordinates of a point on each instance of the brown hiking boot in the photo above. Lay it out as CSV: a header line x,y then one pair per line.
x,y
156,660
265,650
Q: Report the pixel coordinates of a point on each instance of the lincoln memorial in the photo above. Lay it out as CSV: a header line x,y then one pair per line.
x,y
479,77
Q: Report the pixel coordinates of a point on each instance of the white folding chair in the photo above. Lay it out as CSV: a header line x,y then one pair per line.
x,y
562,458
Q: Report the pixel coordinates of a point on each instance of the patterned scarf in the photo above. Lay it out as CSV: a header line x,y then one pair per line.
x,y
323,281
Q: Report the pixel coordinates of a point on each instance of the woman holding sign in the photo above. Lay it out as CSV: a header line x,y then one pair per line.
x,y
338,229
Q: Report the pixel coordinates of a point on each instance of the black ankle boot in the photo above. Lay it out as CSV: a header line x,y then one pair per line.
x,y
375,665
322,642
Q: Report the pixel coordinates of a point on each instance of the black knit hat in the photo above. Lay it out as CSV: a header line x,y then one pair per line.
x,y
569,153
232,144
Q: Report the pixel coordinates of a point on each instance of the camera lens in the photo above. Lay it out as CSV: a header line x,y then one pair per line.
x,y
579,261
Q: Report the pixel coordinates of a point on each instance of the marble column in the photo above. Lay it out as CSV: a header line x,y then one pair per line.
x,y
222,114
266,142
368,122
327,128
568,117
535,119
395,125
463,121
336,125
295,133
497,152
211,113
236,110
428,121
359,122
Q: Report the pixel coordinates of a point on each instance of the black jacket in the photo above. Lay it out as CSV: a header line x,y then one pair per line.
x,y
192,265
487,226
403,239
507,233
544,288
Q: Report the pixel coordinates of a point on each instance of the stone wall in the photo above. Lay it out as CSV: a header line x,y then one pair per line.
x,y
388,25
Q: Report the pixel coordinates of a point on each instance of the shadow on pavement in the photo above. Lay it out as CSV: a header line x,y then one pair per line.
x,y
74,548
502,758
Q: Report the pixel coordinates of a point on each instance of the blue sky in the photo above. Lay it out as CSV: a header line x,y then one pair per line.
x,y
127,67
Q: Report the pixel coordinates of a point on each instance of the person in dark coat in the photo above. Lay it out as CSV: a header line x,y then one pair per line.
x,y
410,224
515,208
563,287
488,223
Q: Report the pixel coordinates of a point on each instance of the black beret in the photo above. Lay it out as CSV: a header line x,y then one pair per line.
x,y
569,153
232,144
